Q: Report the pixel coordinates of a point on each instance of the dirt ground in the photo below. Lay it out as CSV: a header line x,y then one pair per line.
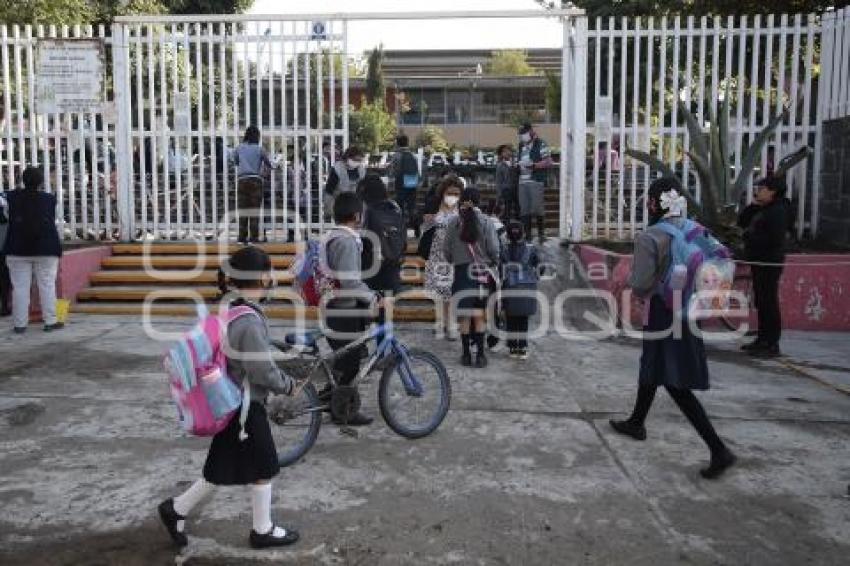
x,y
524,470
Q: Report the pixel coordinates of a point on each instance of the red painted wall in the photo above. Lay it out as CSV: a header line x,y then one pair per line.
x,y
814,291
75,268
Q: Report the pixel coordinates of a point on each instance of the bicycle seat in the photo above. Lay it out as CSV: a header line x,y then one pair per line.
x,y
308,339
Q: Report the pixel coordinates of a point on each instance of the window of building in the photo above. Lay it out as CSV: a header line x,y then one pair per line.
x,y
457,106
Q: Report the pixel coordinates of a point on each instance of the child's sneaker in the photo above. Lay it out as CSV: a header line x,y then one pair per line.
x,y
277,536
514,353
523,354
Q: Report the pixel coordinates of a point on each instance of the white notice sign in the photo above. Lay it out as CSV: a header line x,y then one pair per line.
x,y
604,116
69,75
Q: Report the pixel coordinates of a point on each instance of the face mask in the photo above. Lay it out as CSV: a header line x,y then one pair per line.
x,y
525,138
451,201
352,164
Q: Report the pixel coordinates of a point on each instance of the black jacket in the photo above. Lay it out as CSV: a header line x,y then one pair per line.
x,y
388,277
764,231
24,239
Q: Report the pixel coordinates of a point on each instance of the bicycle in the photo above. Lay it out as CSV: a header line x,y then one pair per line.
x,y
296,419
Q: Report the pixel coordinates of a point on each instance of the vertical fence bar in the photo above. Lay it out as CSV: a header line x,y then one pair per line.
x,y
674,105
153,131
650,52
308,129
43,122
715,62
320,103
57,155
635,121
768,86
566,135
123,129
176,136
199,120
164,134
284,128
579,126
94,177
142,138
806,122
345,83
843,107
223,125
662,89
703,30
782,62
213,130
597,35
689,85
33,119
793,100
827,52
273,145
296,192
19,95
234,84
754,82
621,131
739,106
609,70
7,106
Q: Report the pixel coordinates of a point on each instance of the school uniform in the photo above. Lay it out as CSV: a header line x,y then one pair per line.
x,y
463,255
231,461
520,257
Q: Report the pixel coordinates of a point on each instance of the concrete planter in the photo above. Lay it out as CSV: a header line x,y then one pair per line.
x,y
814,291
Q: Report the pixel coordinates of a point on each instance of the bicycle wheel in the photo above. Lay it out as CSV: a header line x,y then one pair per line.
x,y
411,415
295,423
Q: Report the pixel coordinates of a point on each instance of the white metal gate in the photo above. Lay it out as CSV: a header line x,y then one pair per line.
x,y
189,87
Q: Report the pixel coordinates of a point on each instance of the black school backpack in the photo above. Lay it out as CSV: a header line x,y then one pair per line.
x,y
407,177
386,221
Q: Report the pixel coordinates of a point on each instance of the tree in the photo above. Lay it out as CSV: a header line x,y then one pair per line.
x,y
433,138
509,63
553,95
375,88
371,126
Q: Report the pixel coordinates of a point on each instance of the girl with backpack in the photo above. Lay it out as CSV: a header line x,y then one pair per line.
x,y
519,274
243,455
472,246
676,362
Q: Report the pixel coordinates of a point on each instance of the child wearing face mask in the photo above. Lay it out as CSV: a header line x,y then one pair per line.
x,y
519,278
234,459
344,176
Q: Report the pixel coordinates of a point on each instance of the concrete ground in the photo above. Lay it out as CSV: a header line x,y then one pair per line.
x,y
524,470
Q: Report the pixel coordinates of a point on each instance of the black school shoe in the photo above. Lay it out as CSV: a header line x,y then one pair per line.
x,y
358,419
268,540
169,518
52,327
752,346
718,465
466,360
628,428
481,360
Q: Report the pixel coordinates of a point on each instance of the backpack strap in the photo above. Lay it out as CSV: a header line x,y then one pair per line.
x,y
232,314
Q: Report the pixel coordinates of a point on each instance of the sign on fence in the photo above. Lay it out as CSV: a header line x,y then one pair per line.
x,y
69,76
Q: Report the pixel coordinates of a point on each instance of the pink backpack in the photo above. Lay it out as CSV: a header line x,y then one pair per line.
x,y
206,397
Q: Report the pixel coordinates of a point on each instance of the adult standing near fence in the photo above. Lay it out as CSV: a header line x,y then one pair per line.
x,y
404,170
32,247
250,157
765,223
344,177
534,160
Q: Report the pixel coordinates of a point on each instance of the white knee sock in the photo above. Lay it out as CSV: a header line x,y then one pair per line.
x,y
185,502
261,503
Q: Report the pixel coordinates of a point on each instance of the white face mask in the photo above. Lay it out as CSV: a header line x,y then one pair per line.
x,y
451,201
525,138
353,164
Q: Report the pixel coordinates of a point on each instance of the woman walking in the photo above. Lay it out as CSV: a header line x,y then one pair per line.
x,y
676,363
472,246
32,248
439,273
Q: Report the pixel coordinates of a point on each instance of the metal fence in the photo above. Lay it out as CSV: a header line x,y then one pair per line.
x,y
178,93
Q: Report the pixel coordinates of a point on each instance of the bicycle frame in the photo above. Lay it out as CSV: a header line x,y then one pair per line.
x,y
389,346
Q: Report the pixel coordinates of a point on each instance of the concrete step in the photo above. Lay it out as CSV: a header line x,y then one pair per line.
x,y
132,277
209,248
206,292
401,313
167,262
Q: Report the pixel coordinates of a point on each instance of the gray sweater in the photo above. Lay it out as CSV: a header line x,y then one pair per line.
x,y
342,249
249,335
651,260
486,247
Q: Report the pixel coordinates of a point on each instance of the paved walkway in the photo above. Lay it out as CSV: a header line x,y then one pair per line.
x,y
524,470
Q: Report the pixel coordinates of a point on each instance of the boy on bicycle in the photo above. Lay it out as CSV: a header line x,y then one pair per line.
x,y
346,313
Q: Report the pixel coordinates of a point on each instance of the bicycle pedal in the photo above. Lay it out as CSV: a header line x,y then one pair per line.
x,y
349,431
